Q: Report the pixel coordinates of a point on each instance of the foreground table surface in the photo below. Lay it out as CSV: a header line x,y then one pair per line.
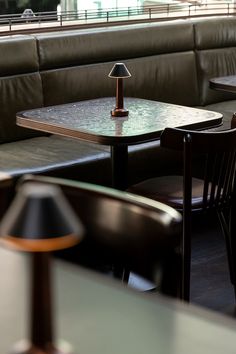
x,y
98,315
224,83
91,120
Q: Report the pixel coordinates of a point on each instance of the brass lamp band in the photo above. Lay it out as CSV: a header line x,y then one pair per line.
x,y
40,245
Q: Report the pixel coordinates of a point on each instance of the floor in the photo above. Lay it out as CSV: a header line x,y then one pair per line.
x,y
210,283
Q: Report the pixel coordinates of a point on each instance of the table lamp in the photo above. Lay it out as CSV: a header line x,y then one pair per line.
x,y
40,220
120,72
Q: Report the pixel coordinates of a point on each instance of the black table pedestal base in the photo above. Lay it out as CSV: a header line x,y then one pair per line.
x,y
119,160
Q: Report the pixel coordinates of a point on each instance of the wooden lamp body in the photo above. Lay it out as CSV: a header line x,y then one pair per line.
x,y
119,111
119,72
40,210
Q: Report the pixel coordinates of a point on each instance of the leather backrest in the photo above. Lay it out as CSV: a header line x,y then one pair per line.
x,y
20,84
80,47
215,41
18,55
165,77
18,93
159,56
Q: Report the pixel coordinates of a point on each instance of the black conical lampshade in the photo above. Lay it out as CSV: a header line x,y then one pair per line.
x,y
40,219
119,70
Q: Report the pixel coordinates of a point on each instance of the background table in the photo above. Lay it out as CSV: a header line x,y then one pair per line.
x,y
98,315
224,83
91,120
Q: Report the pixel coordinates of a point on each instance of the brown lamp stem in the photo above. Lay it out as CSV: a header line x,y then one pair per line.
x,y
41,307
119,94
119,111
41,326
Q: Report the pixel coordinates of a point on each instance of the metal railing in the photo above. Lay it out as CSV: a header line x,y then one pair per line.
x,y
161,11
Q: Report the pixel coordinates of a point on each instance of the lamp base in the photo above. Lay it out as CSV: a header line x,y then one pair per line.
x,y
119,112
25,347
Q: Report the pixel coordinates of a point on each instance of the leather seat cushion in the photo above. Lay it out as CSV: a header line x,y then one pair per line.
x,y
169,190
71,158
47,153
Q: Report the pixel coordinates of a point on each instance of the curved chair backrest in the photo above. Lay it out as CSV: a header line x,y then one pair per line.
x,y
218,156
202,141
124,229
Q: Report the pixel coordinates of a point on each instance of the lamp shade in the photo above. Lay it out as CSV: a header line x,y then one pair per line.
x,y
40,219
119,70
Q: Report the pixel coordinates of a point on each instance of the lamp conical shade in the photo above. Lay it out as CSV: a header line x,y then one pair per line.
x,y
119,70
40,219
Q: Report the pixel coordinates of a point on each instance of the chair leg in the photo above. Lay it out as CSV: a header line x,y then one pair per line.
x,y
225,227
121,273
171,283
186,252
233,121
186,257
232,238
187,216
186,267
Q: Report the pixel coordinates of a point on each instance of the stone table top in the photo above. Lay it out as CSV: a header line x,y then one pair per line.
x,y
91,120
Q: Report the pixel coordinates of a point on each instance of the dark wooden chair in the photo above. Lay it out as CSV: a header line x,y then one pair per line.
x,y
124,230
212,189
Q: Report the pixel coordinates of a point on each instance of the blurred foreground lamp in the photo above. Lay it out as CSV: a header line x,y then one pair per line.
x,y
119,72
40,220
